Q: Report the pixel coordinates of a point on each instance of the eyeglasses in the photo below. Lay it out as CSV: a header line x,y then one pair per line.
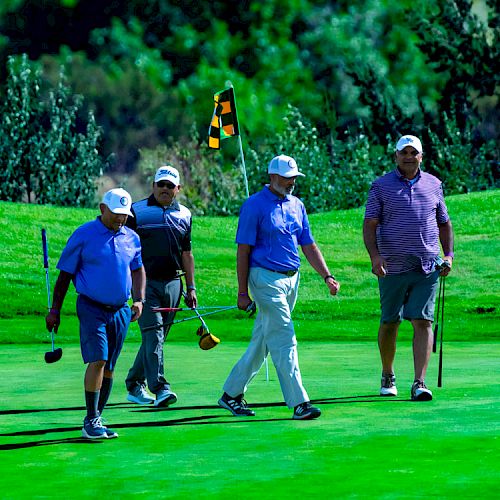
x,y
166,184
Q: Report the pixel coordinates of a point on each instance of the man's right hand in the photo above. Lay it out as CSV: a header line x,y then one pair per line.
x,y
379,267
53,320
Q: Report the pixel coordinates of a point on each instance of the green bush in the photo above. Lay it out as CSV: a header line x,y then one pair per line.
x,y
458,162
44,156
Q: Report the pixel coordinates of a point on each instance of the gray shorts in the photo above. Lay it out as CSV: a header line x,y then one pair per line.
x,y
410,295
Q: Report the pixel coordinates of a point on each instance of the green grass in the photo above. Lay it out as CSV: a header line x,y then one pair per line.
x,y
472,298
363,446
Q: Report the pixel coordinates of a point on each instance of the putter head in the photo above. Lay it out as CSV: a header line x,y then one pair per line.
x,y
53,356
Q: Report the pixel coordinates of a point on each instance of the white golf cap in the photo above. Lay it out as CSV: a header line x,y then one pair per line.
x,y
285,166
118,201
168,173
409,140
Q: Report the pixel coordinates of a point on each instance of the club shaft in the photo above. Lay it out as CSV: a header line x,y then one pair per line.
x,y
179,309
440,367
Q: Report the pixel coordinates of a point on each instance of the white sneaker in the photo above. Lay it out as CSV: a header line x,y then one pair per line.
x,y
419,391
140,396
388,385
165,398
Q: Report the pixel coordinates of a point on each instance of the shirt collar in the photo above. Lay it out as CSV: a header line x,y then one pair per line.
x,y
271,196
152,202
404,179
103,229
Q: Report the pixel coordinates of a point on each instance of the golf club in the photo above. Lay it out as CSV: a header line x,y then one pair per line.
x,y
55,354
440,367
250,309
436,326
177,309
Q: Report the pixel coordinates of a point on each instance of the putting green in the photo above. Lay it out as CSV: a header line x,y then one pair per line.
x,y
363,446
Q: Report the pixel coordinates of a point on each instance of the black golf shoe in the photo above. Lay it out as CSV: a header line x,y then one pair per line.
x,y
237,406
306,411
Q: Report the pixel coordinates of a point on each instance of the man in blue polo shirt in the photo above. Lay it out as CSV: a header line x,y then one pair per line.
x,y
103,259
405,219
272,225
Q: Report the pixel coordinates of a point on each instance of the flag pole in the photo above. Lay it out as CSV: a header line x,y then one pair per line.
x,y
243,167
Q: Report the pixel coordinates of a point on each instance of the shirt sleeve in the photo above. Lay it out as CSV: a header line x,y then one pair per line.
x,y
373,204
71,254
306,237
442,212
136,262
186,240
246,233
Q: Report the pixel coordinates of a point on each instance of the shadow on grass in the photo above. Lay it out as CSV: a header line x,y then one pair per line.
x,y
375,398
204,420
201,420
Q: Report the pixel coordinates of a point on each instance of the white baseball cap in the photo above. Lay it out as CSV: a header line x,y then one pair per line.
x,y
118,201
168,173
285,166
409,140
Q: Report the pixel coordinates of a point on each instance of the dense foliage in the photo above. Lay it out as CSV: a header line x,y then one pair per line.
x,y
332,83
42,152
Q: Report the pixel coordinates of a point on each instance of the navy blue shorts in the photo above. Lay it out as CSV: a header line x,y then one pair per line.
x,y
410,295
102,332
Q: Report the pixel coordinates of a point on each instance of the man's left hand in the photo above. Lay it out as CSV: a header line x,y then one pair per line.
x,y
333,286
446,268
191,299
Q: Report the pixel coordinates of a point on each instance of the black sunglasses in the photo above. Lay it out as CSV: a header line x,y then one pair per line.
x,y
166,184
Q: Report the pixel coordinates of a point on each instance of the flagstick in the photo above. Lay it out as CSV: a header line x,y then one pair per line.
x,y
247,195
243,167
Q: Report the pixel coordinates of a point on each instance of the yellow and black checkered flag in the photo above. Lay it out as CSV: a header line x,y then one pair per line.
x,y
224,122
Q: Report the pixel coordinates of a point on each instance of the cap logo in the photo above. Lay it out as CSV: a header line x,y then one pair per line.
x,y
166,172
124,201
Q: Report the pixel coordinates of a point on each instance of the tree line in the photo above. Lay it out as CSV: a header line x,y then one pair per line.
x,y
91,88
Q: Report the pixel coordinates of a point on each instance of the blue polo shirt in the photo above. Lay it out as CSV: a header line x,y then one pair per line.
x,y
408,213
274,227
101,261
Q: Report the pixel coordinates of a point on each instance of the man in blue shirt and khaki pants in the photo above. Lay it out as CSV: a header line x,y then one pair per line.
x,y
272,225
103,259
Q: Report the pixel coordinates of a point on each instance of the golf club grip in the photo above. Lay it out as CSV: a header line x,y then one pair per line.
x,y
45,249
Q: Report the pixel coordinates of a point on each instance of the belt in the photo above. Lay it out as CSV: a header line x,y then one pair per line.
x,y
105,307
289,273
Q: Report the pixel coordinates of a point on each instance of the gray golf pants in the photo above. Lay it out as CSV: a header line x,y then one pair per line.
x,y
275,295
148,364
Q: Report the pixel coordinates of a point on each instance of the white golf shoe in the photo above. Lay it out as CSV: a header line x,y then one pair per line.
x,y
140,396
388,385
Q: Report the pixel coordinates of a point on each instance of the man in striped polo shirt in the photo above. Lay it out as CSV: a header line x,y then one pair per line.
x,y
405,220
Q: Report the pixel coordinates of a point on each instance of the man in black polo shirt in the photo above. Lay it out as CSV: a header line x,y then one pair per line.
x,y
164,227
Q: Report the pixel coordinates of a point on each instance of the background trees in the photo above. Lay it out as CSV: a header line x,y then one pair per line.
x,y
46,154
333,83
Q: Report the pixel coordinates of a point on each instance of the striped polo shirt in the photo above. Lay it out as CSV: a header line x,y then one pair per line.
x,y
408,215
165,233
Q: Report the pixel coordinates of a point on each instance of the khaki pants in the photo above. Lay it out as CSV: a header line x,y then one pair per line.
x,y
275,295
